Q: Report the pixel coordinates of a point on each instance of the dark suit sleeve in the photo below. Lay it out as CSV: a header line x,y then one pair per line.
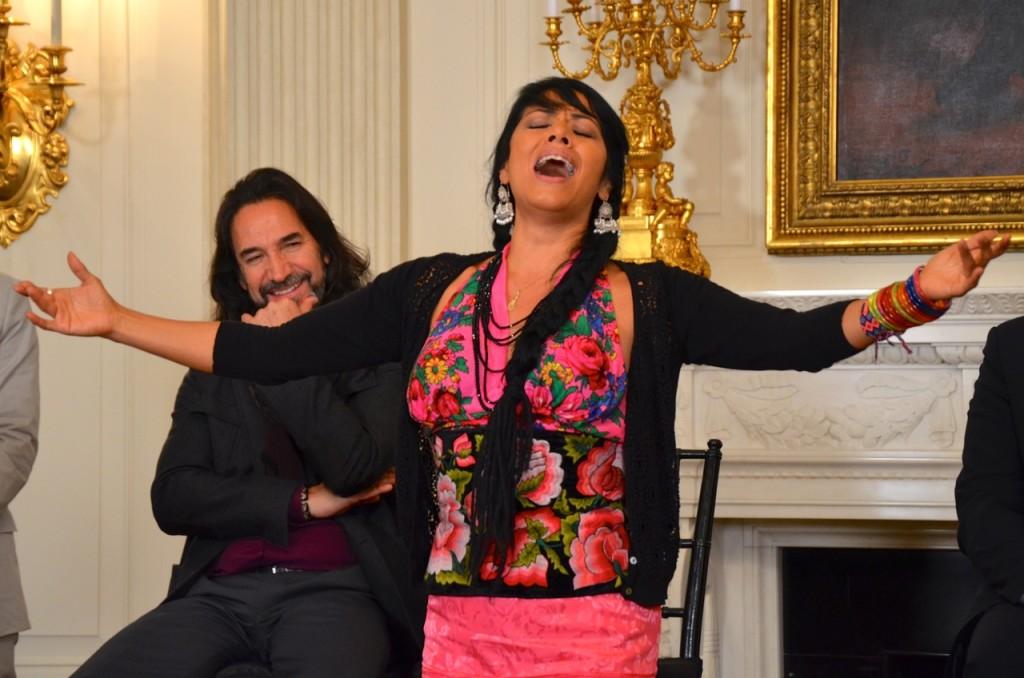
x,y
344,427
990,488
197,491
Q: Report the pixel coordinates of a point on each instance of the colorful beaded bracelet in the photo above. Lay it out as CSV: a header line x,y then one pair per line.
x,y
893,309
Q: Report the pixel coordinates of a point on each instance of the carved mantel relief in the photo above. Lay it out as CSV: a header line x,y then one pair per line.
x,y
866,410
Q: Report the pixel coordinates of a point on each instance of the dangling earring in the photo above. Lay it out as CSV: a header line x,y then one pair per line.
x,y
504,211
604,222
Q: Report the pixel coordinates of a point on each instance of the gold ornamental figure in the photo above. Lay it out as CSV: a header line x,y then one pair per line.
x,y
32,152
642,33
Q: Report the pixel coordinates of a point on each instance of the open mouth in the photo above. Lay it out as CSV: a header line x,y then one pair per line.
x,y
554,166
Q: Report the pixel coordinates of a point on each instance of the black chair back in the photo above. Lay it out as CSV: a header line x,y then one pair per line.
x,y
689,664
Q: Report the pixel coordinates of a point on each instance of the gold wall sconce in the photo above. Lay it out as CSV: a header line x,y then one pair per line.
x,y
32,152
644,34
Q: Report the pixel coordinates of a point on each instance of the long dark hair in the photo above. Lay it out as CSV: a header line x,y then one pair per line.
x,y
507,442
346,268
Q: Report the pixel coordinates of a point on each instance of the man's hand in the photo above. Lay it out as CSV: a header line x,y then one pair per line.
x,y
325,504
279,311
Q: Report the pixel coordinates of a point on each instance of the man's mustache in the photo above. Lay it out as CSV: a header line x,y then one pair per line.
x,y
291,281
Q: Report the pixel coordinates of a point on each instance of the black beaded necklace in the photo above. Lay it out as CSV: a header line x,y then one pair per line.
x,y
487,331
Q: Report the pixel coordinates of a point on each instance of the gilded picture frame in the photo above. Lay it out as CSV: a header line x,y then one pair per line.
x,y
838,185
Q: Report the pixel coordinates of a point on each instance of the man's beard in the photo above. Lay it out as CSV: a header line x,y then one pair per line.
x,y
291,281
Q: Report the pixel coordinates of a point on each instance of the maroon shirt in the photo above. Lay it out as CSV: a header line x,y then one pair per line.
x,y
315,545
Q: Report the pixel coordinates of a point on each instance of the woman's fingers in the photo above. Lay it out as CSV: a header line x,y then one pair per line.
x,y
1004,242
995,246
987,245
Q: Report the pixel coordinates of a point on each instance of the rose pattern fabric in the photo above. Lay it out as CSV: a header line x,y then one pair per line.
x,y
452,534
578,386
529,561
601,548
601,473
541,482
569,535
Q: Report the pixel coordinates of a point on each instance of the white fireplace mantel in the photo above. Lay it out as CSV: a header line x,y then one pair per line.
x,y
864,454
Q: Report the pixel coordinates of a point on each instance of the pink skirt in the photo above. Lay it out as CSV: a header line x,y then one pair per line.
x,y
602,635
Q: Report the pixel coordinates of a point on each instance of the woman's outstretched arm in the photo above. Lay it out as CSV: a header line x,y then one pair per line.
x,y
89,310
952,272
724,329
361,330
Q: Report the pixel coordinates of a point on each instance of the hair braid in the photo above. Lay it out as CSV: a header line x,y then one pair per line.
x,y
508,442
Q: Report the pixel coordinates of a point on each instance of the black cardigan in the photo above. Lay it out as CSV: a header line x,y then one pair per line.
x,y
678,317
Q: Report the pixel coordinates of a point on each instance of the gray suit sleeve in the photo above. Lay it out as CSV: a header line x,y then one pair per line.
x,y
19,393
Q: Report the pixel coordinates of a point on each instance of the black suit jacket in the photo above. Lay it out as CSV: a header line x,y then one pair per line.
x,y
211,484
990,488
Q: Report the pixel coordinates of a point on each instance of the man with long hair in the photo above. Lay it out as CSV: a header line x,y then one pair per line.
x,y
292,558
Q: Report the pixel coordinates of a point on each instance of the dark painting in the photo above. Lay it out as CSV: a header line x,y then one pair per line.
x,y
929,89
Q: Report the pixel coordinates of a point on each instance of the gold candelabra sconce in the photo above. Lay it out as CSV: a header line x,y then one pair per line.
x,y
642,34
32,152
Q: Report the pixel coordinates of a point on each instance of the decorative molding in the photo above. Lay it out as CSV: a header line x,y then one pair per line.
x,y
955,355
823,474
1008,304
778,411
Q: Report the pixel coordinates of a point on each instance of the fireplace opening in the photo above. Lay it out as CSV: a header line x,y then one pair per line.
x,y
872,613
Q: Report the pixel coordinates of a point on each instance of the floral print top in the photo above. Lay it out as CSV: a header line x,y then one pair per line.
x,y
569,535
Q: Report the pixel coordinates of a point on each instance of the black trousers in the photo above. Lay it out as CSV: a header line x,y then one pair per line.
x,y
303,624
996,649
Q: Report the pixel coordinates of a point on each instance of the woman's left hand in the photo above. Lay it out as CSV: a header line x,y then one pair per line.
x,y
956,270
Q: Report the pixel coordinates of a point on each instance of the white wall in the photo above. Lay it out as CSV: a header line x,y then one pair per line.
x,y
135,210
314,87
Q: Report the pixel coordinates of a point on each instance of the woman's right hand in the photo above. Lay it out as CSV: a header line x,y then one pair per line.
x,y
86,310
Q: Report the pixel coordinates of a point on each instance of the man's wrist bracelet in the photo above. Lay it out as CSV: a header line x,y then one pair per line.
x,y
304,500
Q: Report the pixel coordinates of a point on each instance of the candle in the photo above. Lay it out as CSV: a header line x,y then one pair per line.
x,y
552,8
55,22
637,2
734,5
